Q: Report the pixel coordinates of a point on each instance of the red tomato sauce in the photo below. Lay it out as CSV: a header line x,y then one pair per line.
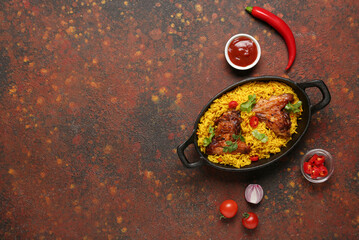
x,y
242,51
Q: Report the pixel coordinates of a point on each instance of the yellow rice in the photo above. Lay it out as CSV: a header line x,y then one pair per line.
x,y
263,150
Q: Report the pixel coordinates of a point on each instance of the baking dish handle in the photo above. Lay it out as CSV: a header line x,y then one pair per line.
x,y
323,89
180,151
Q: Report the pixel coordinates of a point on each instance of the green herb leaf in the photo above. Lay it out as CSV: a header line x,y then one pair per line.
x,y
260,136
240,137
231,146
248,105
235,137
229,143
208,140
295,108
226,149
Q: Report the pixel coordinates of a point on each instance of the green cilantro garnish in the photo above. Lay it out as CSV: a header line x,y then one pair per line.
x,y
260,136
208,140
248,105
231,146
295,108
240,137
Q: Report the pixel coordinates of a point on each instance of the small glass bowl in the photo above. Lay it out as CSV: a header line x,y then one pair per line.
x,y
250,65
329,163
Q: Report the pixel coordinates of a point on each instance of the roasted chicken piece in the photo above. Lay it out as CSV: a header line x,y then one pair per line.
x,y
272,112
218,144
227,125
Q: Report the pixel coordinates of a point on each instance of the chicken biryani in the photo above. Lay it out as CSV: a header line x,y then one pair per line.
x,y
249,123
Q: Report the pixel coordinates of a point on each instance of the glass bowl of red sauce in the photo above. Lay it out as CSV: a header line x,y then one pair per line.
x,y
317,165
242,51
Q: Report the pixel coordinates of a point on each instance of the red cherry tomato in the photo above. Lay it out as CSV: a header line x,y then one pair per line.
x,y
228,208
315,172
250,220
232,104
319,161
254,158
253,122
323,171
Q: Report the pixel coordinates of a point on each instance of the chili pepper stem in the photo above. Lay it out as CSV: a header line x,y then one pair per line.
x,y
249,9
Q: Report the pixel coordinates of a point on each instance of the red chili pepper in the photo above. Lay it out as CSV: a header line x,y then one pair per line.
x,y
308,168
319,161
313,159
254,158
253,121
278,24
315,173
323,171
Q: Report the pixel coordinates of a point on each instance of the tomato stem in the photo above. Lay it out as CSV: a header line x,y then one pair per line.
x,y
245,215
222,217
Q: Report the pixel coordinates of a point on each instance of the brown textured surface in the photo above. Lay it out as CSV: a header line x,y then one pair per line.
x,y
95,96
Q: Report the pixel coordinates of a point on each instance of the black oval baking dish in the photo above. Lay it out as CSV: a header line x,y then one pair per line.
x,y
303,123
